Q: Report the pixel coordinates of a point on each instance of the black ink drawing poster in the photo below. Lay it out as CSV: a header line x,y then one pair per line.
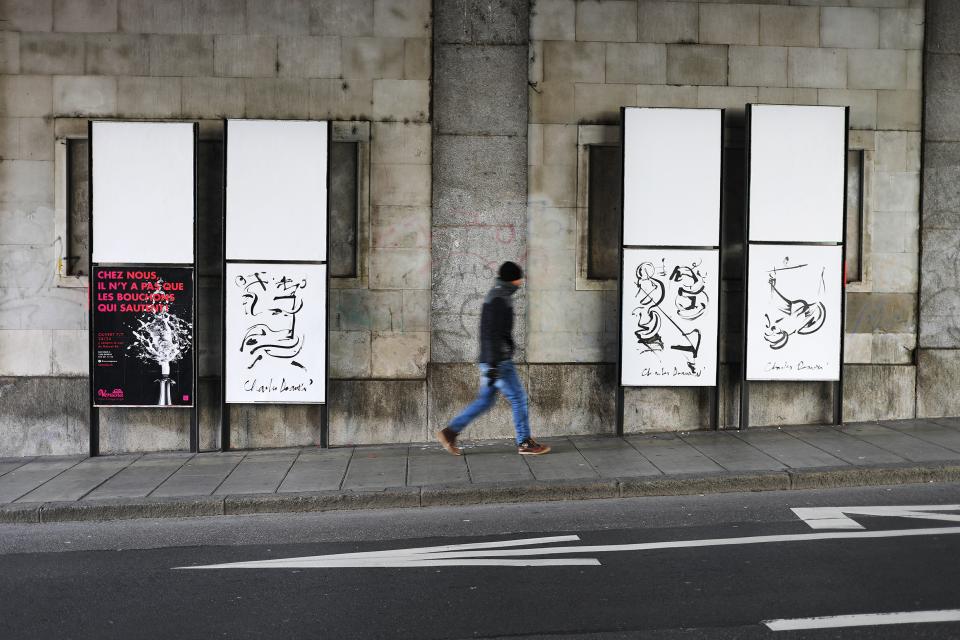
x,y
793,312
276,333
669,317
143,336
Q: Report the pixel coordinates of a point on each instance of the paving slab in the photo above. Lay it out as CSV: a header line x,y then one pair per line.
x,y
846,447
200,476
671,454
429,464
9,464
259,473
29,476
732,453
906,446
952,423
564,462
317,470
614,458
80,479
377,468
141,477
496,462
791,451
929,431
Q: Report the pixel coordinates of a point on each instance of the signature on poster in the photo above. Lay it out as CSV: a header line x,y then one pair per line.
x,y
792,315
271,303
661,327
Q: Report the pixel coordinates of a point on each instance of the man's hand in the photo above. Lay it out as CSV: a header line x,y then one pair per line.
x,y
492,374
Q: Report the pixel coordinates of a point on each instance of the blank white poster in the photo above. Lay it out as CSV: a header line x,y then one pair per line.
x,y
669,320
797,169
794,315
276,333
671,177
276,190
143,192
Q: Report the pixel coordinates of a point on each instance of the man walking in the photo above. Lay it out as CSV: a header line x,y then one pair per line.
x,y
497,372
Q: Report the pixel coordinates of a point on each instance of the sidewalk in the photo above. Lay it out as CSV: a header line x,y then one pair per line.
x,y
57,489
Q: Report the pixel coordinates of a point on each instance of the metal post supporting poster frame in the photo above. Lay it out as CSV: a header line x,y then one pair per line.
x,y
714,409
94,409
225,436
837,395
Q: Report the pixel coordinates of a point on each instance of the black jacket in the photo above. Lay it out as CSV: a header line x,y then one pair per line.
x,y
496,324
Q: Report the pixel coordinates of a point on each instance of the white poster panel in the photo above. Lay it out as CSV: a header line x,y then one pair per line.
x,y
276,190
794,315
669,318
797,169
671,177
276,333
143,192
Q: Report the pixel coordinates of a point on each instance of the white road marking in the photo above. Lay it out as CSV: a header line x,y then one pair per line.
x,y
864,620
836,517
455,555
419,551
412,561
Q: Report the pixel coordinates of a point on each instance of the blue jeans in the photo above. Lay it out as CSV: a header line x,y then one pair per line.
x,y
510,386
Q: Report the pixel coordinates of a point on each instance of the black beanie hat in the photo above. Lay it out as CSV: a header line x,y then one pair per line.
x,y
510,271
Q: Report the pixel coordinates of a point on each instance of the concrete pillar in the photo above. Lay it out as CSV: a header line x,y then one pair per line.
x,y
479,180
938,358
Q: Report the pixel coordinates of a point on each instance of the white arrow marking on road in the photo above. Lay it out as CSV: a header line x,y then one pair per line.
x,y
836,517
864,620
488,553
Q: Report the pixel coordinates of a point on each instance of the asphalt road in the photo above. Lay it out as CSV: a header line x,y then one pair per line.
x,y
121,579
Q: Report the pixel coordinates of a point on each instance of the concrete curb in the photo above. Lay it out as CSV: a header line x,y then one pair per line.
x,y
873,476
713,483
391,498
485,493
20,513
502,492
131,508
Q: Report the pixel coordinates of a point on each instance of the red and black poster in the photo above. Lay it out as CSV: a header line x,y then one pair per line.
x,y
143,336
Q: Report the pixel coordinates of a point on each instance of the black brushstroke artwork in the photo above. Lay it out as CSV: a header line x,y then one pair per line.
x,y
273,303
791,315
655,326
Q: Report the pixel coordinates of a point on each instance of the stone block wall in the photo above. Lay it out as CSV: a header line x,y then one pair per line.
x,y
475,119
938,370
63,62
587,58
479,188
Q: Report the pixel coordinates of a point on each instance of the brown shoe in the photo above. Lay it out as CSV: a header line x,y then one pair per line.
x,y
448,438
531,447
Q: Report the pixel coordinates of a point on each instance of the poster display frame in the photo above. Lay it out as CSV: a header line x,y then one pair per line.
x,y
225,422
837,384
714,409
94,409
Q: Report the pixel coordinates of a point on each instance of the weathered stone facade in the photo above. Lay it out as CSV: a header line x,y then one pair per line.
x,y
587,59
475,119
365,64
938,364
